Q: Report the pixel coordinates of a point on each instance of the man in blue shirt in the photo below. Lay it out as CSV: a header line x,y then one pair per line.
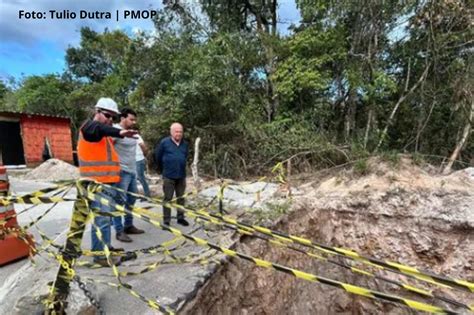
x,y
170,156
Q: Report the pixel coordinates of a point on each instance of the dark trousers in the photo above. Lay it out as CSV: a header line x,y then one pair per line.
x,y
170,187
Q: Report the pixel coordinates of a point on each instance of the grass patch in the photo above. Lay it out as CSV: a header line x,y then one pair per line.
x,y
361,167
392,157
270,211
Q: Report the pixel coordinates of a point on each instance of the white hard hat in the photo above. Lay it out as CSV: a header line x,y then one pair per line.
x,y
107,104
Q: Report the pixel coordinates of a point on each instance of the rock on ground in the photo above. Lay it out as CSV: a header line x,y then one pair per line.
x,y
24,290
244,195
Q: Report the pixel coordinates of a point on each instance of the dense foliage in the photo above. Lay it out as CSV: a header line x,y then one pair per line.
x,y
350,79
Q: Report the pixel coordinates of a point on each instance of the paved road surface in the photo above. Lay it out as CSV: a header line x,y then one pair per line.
x,y
170,284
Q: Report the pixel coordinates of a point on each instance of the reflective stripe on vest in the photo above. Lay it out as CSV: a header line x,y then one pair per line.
x,y
107,163
90,174
100,163
93,163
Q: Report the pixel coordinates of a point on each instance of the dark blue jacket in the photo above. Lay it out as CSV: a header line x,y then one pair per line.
x,y
171,159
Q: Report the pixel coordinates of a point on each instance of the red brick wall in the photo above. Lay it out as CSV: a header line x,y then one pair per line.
x,y
35,129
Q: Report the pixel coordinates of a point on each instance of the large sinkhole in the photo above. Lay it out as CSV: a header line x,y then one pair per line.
x,y
422,222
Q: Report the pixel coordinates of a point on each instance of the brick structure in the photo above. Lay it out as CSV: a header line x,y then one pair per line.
x,y
33,131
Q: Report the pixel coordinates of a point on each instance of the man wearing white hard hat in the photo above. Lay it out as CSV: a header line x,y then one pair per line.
x,y
99,161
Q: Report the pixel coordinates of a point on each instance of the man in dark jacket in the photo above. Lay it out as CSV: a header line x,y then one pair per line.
x,y
170,156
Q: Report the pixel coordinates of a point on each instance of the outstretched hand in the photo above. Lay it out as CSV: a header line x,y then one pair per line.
x,y
130,133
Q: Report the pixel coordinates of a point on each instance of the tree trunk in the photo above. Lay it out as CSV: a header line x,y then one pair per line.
x,y
418,135
397,105
267,29
272,96
461,142
272,99
367,128
349,121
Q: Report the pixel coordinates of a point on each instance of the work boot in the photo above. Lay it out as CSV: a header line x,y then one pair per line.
x,y
167,223
129,256
104,263
116,249
183,222
133,230
122,237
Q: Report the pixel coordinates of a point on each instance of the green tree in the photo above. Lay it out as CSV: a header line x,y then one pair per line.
x,y
45,94
98,55
260,19
3,90
440,33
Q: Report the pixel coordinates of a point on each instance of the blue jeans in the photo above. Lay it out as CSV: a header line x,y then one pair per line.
x,y
141,166
128,182
102,222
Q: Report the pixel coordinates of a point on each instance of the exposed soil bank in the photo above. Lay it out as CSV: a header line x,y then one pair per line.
x,y
406,215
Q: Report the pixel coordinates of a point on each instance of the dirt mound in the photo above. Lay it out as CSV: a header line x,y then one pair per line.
x,y
405,174
53,170
406,214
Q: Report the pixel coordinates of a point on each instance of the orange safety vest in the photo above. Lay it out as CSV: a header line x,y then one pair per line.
x,y
98,160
